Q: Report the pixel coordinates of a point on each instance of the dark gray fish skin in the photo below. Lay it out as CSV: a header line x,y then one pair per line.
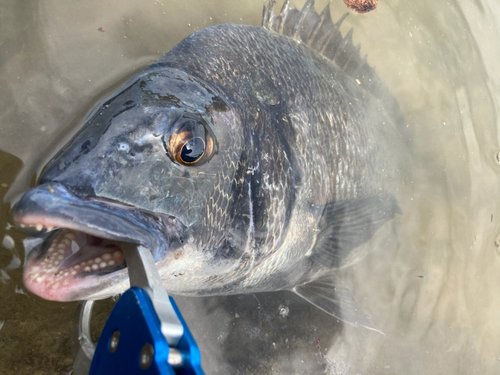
x,y
295,135
313,135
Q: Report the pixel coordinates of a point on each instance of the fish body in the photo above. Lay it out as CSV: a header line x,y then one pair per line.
x,y
247,159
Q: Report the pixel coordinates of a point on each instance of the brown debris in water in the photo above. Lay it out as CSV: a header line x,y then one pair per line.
x,y
361,6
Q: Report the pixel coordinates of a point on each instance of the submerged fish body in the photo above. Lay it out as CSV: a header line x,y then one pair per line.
x,y
247,159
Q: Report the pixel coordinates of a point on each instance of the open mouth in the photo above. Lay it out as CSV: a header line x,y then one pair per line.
x,y
80,256
65,258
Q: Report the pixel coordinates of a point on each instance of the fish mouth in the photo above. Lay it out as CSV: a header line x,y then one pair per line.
x,y
80,255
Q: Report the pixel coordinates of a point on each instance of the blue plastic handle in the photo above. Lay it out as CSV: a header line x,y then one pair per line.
x,y
138,325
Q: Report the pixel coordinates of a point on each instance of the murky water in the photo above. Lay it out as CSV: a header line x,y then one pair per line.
x,y
436,296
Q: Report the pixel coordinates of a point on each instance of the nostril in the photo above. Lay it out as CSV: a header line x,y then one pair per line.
x,y
86,147
123,146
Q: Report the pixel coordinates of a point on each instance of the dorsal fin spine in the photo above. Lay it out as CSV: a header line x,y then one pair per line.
x,y
341,19
268,14
283,15
303,15
334,31
325,19
342,45
324,16
322,35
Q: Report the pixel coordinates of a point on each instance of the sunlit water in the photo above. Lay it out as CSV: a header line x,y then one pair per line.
x,y
436,296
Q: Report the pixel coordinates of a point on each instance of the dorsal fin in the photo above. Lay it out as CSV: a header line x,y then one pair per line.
x,y
321,34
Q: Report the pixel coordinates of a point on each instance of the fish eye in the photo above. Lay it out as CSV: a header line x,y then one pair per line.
x,y
192,150
192,142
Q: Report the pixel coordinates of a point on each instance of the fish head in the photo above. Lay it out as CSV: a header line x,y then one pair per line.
x,y
153,164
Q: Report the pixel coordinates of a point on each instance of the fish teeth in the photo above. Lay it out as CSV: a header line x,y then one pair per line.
x,y
47,272
39,227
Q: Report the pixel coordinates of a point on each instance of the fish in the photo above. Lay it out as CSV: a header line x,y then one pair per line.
x,y
247,159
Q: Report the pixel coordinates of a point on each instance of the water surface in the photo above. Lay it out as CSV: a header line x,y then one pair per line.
x,y
434,293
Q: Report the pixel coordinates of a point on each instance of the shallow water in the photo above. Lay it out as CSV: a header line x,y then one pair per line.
x,y
435,296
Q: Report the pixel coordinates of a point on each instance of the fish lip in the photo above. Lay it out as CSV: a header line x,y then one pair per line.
x,y
52,205
87,288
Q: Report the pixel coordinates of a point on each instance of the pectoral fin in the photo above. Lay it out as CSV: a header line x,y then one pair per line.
x,y
348,224
331,296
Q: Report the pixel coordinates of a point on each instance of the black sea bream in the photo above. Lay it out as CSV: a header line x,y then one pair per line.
x,y
247,159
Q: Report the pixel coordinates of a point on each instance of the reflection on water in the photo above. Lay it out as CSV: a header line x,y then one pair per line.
x,y
435,297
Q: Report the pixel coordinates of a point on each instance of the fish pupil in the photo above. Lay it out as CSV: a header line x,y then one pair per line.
x,y
192,150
